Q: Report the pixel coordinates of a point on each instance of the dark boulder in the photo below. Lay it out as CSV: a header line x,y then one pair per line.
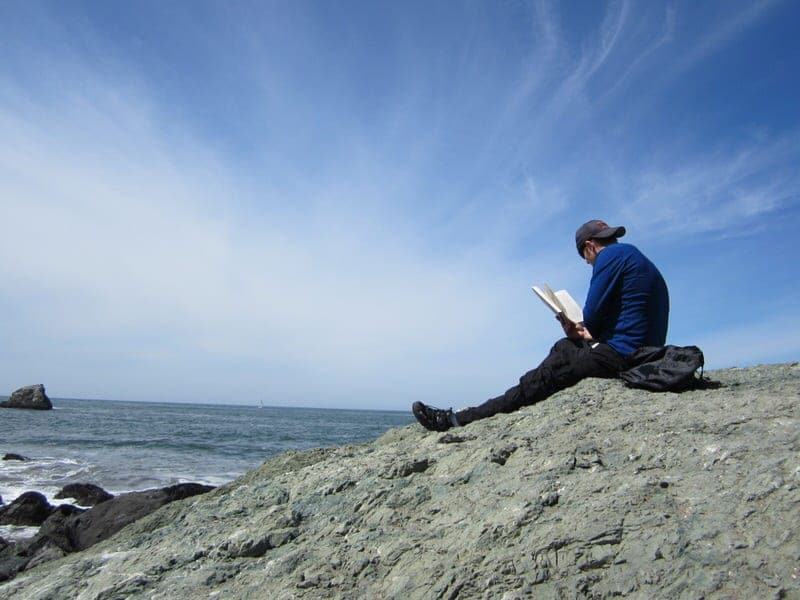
x,y
30,396
80,531
85,494
69,528
184,490
49,544
13,456
31,509
55,531
11,565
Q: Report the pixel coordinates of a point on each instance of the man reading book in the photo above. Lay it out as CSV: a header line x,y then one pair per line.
x,y
627,307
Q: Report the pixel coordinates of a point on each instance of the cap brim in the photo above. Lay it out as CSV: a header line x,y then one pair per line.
x,y
611,232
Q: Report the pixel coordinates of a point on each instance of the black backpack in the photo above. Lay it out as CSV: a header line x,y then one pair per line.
x,y
666,369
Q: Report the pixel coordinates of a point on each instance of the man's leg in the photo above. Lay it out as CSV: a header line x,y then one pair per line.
x,y
568,362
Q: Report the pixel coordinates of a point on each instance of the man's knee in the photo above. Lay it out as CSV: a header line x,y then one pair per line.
x,y
562,345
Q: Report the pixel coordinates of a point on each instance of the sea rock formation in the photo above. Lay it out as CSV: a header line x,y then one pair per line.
x,y
55,528
85,494
30,396
29,509
105,519
14,456
599,491
66,528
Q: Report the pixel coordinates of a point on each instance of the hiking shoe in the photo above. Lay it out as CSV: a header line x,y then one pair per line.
x,y
433,419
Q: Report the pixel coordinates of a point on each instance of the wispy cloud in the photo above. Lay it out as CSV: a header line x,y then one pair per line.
x,y
343,209
122,234
721,33
726,192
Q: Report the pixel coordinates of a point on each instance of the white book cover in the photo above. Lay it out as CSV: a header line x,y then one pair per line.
x,y
560,302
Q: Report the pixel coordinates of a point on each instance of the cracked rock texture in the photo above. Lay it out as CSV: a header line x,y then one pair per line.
x,y
599,491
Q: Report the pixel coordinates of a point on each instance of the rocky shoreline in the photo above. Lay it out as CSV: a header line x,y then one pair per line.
x,y
599,491
68,528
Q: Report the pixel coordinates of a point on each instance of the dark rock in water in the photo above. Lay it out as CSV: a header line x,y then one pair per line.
x,y
72,532
185,490
30,509
30,396
55,530
69,528
50,543
13,456
85,494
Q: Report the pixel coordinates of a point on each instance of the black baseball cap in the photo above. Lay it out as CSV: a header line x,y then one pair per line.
x,y
595,229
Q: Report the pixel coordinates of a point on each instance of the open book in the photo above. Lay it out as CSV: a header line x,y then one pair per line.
x,y
560,302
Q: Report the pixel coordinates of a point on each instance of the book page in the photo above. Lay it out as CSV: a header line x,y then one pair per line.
x,y
560,302
571,308
546,298
554,298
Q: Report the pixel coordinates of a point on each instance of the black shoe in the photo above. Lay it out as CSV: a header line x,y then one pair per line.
x,y
433,419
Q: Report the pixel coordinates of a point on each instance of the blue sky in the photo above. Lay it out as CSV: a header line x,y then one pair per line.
x,y
345,204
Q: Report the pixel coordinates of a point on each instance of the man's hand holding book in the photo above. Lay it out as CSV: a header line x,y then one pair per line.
x,y
574,331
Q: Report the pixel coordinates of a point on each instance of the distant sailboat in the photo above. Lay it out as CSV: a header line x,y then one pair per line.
x,y
260,403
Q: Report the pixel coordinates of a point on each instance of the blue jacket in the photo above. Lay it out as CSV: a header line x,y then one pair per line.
x,y
628,304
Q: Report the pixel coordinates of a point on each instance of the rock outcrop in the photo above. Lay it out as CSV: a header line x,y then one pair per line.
x,y
599,491
29,509
85,494
105,519
14,456
66,528
30,396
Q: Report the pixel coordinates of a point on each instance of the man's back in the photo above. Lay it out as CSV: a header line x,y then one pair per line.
x,y
628,303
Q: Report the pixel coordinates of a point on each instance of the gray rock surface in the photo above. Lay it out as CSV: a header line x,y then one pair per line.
x,y
30,396
599,491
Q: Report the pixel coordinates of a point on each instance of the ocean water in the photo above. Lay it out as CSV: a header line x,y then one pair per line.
x,y
126,446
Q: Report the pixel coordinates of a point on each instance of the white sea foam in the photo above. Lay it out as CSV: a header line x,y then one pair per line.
x,y
45,474
15,533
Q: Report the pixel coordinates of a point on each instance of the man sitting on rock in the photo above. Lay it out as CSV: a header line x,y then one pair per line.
x,y
627,307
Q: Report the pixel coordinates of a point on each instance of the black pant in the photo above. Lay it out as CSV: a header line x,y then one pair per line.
x,y
569,361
